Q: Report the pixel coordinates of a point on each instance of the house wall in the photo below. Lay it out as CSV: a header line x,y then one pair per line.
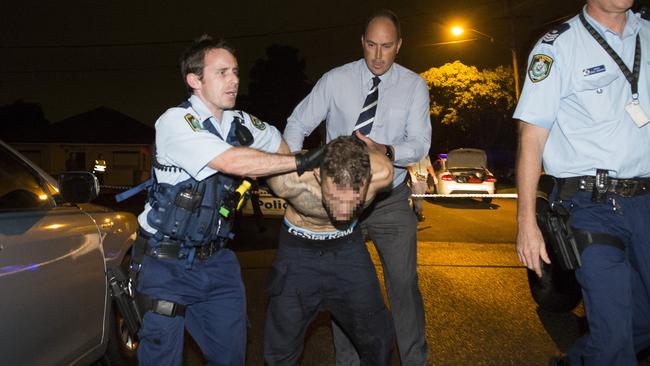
x,y
127,164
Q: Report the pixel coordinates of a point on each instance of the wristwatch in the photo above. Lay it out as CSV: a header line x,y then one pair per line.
x,y
390,152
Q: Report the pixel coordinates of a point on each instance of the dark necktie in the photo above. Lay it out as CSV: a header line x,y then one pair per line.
x,y
367,116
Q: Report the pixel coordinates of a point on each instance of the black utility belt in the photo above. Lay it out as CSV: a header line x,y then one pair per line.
x,y
567,187
172,250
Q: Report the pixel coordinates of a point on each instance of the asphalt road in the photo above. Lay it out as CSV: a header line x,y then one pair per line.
x,y
477,304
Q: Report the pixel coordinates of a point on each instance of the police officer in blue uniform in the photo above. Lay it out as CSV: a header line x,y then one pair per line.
x,y
584,112
188,278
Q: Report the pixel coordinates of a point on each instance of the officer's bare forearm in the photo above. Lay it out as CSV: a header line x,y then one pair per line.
x,y
244,161
529,164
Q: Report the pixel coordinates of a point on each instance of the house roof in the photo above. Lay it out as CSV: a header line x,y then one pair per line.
x,y
100,126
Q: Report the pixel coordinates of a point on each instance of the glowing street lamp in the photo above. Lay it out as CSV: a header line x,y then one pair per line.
x,y
458,31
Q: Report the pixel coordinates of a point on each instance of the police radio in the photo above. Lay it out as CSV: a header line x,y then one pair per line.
x,y
244,135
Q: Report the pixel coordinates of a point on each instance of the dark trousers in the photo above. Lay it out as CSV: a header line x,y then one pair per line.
x,y
615,283
392,226
337,275
215,315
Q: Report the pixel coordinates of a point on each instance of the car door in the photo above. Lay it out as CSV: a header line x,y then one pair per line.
x,y
52,284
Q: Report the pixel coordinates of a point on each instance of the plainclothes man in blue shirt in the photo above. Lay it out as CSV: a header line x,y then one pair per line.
x,y
188,278
389,104
586,117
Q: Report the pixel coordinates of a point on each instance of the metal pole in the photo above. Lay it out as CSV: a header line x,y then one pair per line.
x,y
513,48
515,72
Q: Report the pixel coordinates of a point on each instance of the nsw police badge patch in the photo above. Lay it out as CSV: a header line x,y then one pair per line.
x,y
193,122
257,123
540,67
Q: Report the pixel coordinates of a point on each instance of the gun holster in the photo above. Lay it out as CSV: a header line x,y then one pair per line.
x,y
566,243
554,224
553,221
124,295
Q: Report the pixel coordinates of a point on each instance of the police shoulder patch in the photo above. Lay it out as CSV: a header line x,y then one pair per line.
x,y
193,122
257,123
540,67
550,37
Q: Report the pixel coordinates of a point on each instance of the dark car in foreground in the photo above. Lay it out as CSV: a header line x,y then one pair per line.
x,y
55,249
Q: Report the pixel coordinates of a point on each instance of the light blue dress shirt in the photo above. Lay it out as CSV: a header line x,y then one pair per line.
x,y
582,101
179,144
402,117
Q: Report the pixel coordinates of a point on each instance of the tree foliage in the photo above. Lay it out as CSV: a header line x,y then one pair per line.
x,y
277,84
469,105
22,121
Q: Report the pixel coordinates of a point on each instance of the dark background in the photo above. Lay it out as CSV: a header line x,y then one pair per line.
x,y
73,56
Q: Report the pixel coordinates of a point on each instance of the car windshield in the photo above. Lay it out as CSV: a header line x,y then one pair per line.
x,y
20,187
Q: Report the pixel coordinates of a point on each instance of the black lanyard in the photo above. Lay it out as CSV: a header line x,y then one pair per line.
x,y
631,76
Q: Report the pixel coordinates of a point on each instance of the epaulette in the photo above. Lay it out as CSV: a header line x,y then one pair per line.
x,y
551,36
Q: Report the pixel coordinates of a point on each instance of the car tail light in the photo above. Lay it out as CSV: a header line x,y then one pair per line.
x,y
490,178
447,177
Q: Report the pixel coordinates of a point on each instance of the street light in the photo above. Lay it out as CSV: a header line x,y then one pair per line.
x,y
458,31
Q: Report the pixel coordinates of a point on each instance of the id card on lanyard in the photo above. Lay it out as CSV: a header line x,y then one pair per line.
x,y
633,108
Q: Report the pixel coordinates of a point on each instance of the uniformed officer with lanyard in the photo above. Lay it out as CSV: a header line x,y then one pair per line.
x,y
584,112
188,278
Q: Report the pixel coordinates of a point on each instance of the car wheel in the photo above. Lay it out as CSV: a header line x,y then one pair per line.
x,y
557,290
487,200
122,346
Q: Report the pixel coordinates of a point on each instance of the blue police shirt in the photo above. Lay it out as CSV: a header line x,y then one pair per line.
x,y
182,141
402,117
577,91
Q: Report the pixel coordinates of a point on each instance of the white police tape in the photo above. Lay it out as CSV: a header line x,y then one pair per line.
x,y
119,188
466,195
270,202
276,203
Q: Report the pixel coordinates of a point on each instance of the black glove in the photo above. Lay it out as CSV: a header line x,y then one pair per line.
x,y
309,160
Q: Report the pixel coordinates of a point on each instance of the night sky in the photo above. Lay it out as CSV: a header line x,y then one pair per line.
x,y
74,56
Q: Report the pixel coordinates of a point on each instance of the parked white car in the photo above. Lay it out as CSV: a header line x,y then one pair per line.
x,y
464,171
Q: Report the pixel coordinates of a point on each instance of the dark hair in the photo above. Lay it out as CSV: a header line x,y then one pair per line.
x,y
193,58
383,13
346,161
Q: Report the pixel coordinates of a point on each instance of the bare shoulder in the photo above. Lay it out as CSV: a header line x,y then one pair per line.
x,y
382,173
308,198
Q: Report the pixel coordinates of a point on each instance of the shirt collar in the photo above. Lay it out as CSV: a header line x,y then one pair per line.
x,y
200,108
386,79
632,24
